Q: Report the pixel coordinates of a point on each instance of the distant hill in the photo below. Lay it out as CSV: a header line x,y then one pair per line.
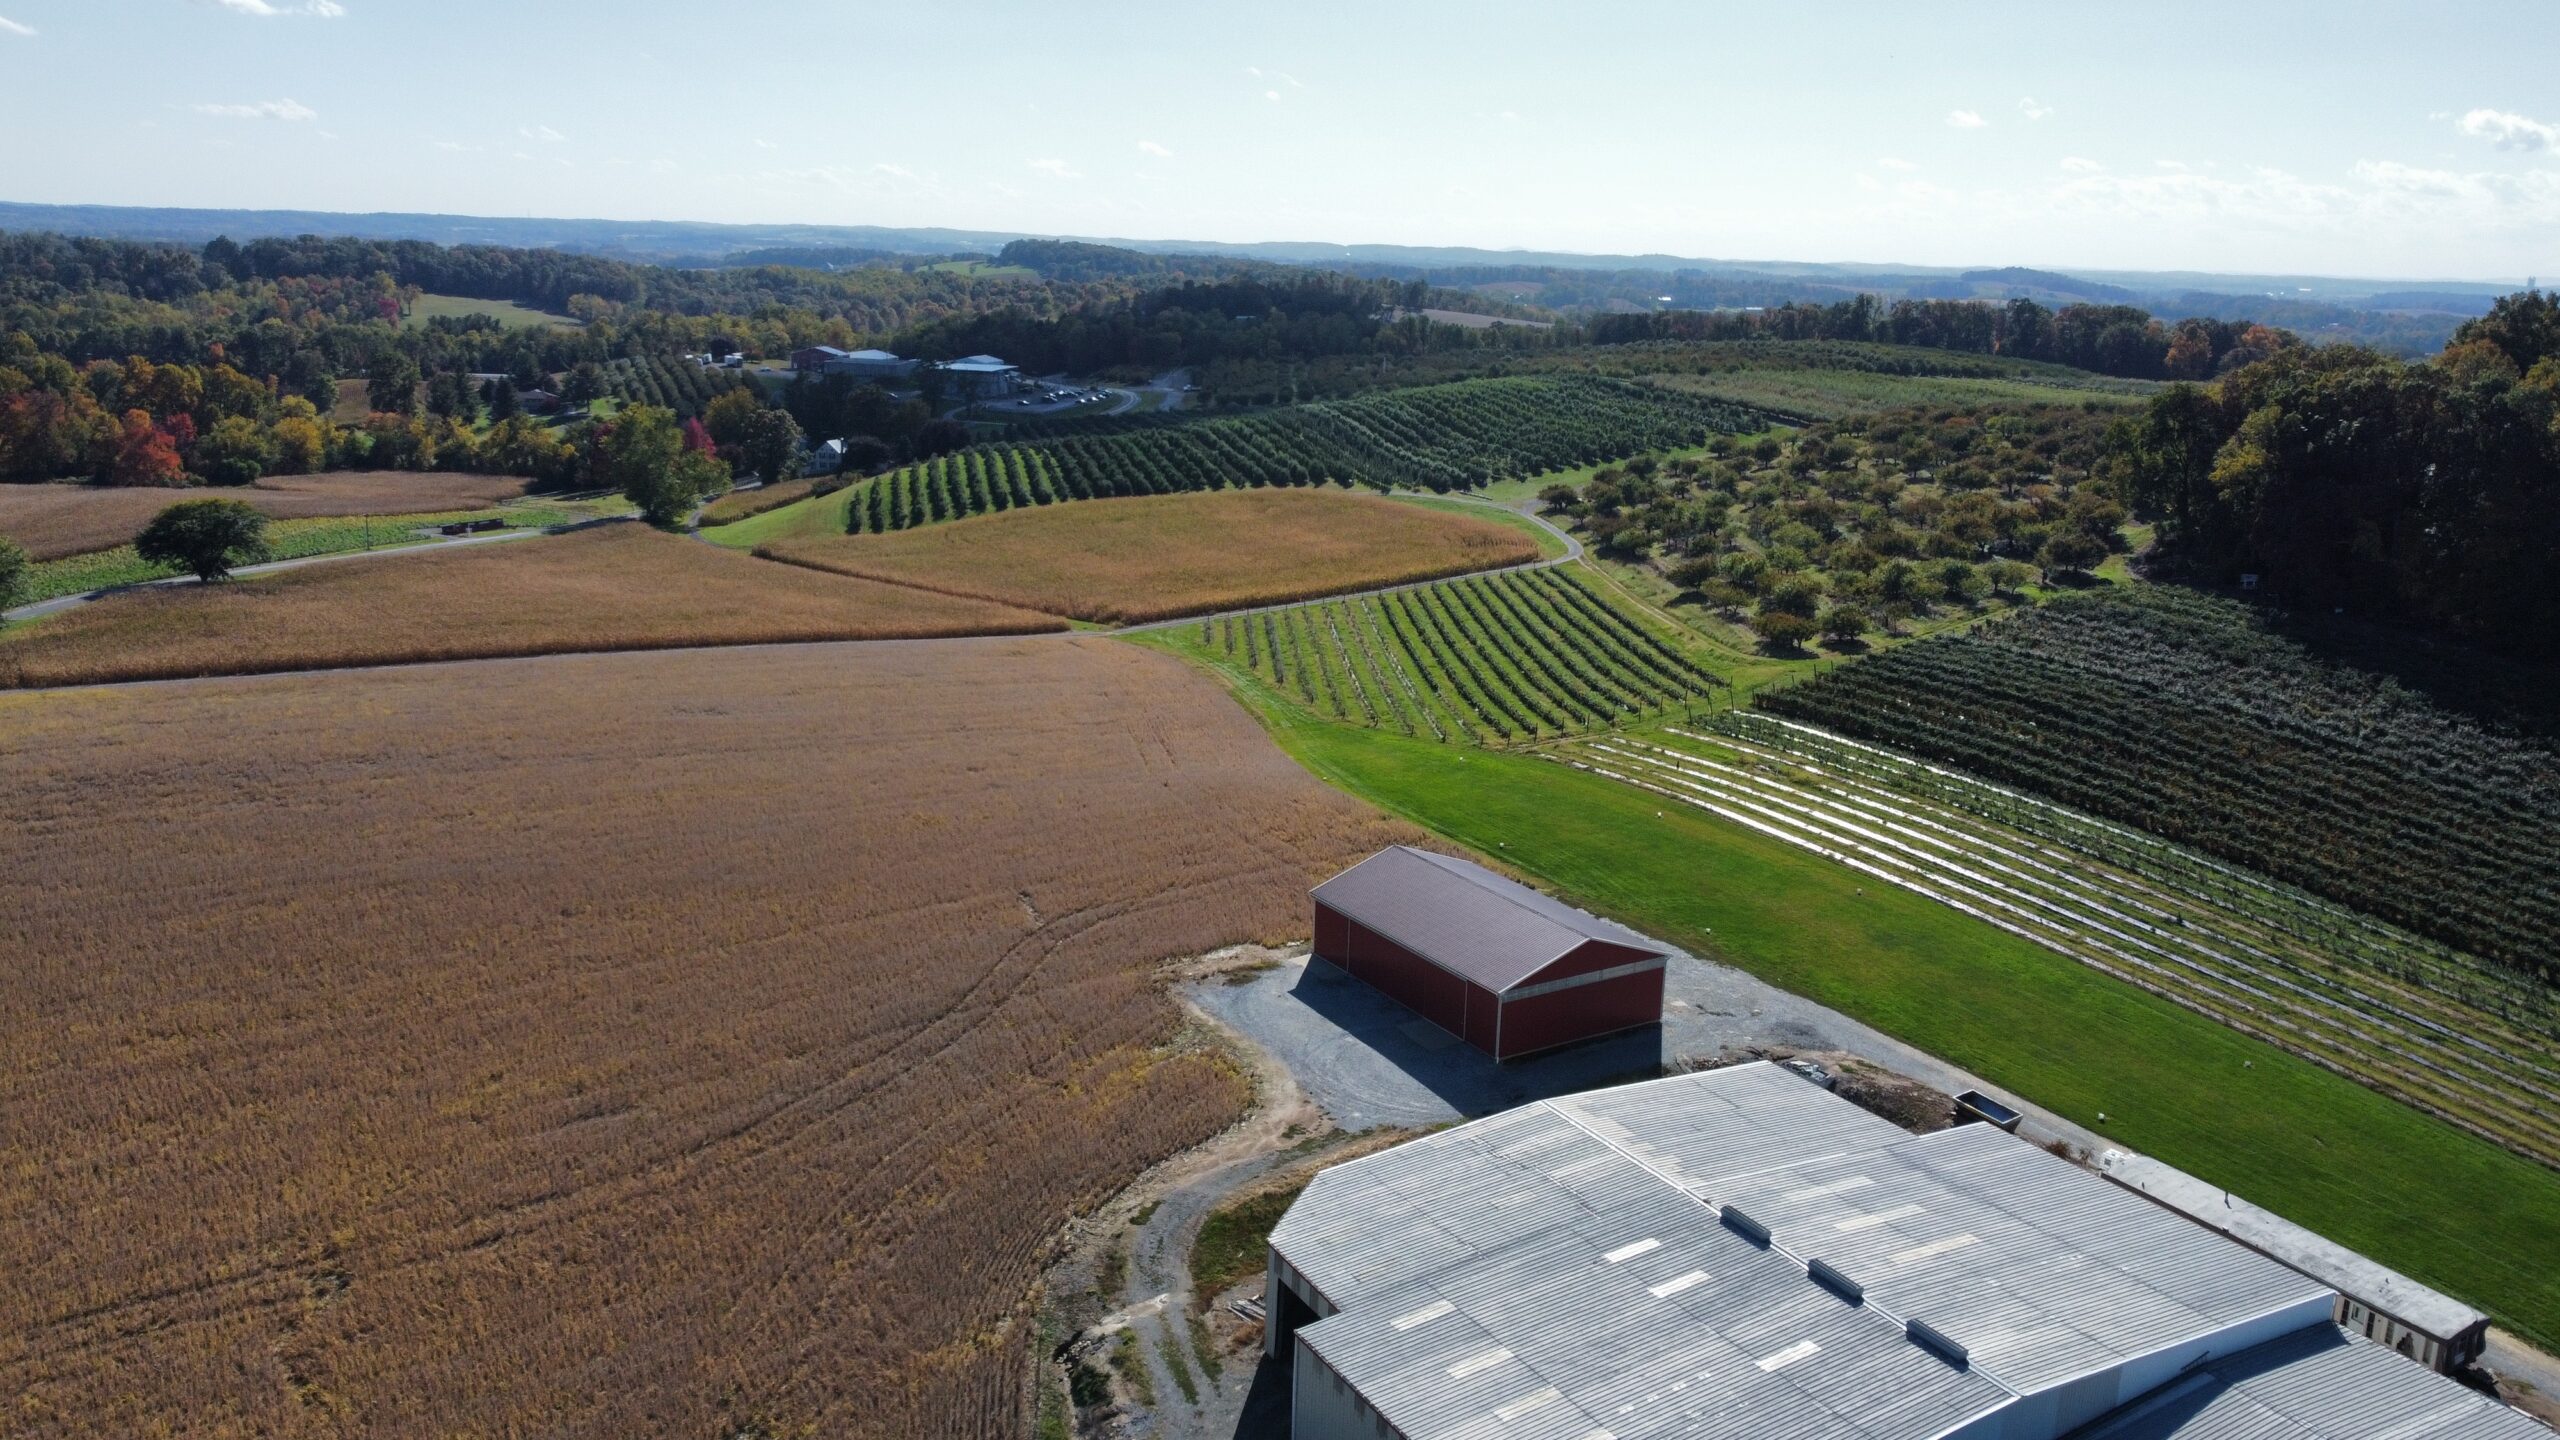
x,y
2019,277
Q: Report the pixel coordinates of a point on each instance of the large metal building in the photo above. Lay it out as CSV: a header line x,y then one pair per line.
x,y
1493,962
1740,1255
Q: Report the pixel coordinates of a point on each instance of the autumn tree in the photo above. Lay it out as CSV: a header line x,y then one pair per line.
x,y
729,412
13,573
206,538
644,455
145,454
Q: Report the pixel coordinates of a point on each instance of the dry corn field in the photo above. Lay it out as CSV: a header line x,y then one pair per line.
x,y
1155,557
51,521
615,587
693,1044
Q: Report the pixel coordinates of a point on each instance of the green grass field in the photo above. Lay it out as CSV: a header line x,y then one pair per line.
x,y
2451,1210
506,312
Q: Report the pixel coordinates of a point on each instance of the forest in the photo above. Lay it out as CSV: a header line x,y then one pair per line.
x,y
2346,480
2119,340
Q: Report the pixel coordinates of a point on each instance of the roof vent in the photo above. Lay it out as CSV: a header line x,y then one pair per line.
x,y
1744,1226
1830,1277
1938,1342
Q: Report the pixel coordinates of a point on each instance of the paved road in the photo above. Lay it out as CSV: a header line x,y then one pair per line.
x,y
61,603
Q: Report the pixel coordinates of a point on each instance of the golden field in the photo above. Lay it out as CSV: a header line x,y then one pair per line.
x,y
1124,561
613,587
688,1044
51,521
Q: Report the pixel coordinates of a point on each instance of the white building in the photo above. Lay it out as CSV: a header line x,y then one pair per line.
x,y
1740,1255
981,377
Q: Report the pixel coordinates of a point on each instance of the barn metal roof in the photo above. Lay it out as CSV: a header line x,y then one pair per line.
x,y
2316,1384
1739,1252
2315,1255
1494,931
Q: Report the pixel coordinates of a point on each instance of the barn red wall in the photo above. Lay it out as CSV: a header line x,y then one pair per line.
x,y
1603,1007
1586,957
1405,977
1482,1007
1332,933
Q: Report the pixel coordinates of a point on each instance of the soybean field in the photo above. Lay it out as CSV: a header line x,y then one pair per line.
x,y
1487,660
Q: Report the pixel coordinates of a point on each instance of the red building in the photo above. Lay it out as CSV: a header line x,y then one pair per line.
x,y
1495,963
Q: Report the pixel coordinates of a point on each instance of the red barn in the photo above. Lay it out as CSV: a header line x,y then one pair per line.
x,y
1493,962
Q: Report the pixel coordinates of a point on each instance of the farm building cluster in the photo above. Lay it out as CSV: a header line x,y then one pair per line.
x,y
976,377
1739,1254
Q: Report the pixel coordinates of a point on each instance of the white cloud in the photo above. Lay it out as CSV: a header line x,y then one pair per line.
x,y
455,146
293,111
764,144
1056,169
2509,131
325,9
1150,147
1965,120
2081,165
2171,164
1895,162
2033,111
12,27
1270,94
894,172
2380,196
543,133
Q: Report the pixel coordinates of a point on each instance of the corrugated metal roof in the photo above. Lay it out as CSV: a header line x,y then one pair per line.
x,y
2316,1384
1494,931
2315,1255
1606,1247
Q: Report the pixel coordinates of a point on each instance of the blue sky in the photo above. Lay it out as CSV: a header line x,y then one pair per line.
x,y
2337,138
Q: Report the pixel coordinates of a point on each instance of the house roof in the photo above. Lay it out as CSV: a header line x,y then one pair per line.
x,y
1738,1254
881,356
828,350
978,363
1494,931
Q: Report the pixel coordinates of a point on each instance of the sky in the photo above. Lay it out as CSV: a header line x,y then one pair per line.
x,y
2341,138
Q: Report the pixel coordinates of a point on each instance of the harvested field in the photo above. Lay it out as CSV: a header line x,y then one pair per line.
x,y
698,1044
52,521
737,505
1168,555
616,587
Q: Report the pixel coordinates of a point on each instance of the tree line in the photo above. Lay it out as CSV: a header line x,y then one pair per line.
x,y
2120,340
2345,479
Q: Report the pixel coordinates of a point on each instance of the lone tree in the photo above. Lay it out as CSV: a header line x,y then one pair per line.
x,y
647,460
204,537
13,573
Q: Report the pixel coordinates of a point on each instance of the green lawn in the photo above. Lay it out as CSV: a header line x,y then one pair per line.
x,y
506,312
817,515
2453,1211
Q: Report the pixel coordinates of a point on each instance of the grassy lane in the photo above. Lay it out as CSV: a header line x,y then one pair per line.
x,y
2448,1209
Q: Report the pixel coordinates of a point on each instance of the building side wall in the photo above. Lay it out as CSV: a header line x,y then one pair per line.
x,y
1333,932
1323,1406
1560,1017
1588,956
1405,977
1484,1013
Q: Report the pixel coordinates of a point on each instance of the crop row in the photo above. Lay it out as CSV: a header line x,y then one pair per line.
x,y
1439,437
2185,716
2405,1039
1490,658
678,385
